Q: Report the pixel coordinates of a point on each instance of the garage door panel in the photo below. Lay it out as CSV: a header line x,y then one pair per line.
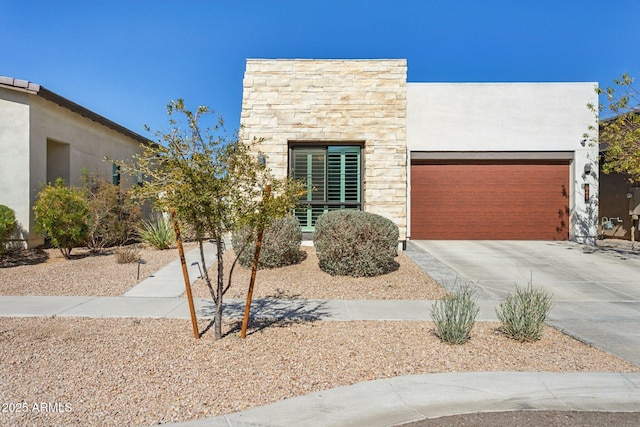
x,y
490,201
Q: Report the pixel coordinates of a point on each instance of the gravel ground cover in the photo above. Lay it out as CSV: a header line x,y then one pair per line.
x,y
46,272
148,371
76,371
307,281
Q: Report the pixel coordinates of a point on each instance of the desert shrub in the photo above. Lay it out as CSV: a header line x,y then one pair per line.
x,y
280,244
356,243
157,232
112,214
455,315
7,224
523,313
61,213
127,254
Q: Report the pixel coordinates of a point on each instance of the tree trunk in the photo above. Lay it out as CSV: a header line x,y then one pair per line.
x,y
219,291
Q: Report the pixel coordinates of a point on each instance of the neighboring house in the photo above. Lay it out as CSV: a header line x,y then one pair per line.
x,y
442,160
44,136
619,207
619,200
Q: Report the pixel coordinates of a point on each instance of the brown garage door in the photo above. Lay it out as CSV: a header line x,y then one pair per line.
x,y
490,200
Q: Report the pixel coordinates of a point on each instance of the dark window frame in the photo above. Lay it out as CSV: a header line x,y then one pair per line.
x,y
311,207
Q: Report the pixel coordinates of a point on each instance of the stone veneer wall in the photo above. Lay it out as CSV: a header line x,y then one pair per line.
x,y
347,101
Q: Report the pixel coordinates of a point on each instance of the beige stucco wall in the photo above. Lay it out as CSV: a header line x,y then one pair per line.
x,y
24,131
347,101
14,154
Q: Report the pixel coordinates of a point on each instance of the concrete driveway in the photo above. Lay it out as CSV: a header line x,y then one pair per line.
x,y
596,290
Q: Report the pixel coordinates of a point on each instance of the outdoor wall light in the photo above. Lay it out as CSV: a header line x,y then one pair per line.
x,y
587,169
629,195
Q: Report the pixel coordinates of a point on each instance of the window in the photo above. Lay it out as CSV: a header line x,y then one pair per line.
x,y
115,174
332,177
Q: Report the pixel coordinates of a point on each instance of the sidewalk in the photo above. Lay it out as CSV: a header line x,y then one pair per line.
x,y
177,308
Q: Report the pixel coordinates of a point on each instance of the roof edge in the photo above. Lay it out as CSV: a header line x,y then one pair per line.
x,y
41,91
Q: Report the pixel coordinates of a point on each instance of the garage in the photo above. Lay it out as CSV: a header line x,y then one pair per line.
x,y
490,199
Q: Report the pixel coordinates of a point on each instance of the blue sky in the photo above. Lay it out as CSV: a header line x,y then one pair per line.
x,y
126,59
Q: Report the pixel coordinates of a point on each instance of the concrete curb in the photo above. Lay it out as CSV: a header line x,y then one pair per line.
x,y
399,400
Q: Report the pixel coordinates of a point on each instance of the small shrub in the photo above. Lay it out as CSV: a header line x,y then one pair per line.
x,y
61,213
356,243
523,313
157,232
127,254
7,225
112,214
455,315
280,244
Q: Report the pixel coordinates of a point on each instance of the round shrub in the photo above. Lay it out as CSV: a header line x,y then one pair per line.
x,y
61,213
7,224
280,244
356,243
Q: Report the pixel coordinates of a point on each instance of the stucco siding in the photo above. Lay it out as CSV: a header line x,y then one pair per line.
x,y
498,116
14,160
31,127
89,143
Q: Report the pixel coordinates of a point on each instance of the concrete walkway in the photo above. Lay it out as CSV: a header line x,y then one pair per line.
x,y
410,398
164,283
165,307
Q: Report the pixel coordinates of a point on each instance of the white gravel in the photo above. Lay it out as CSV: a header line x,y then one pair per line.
x,y
118,372
85,274
307,281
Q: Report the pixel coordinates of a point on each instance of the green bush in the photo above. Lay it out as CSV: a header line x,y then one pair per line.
x,y
157,232
455,315
7,224
280,244
523,313
61,213
356,243
112,214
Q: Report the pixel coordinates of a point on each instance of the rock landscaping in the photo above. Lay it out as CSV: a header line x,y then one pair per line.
x,y
79,371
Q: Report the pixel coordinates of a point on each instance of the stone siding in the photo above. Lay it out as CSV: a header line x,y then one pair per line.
x,y
350,101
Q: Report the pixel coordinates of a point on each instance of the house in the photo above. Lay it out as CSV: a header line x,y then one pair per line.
x,y
44,136
619,206
442,160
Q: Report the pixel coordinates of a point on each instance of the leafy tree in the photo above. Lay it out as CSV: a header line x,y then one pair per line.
x,y
61,213
215,185
621,133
